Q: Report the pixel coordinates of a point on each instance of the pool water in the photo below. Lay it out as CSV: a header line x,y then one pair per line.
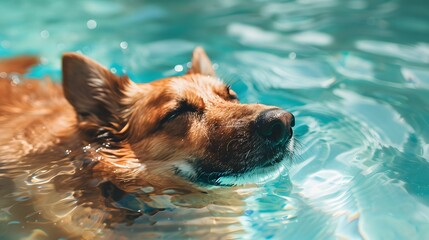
x,y
354,73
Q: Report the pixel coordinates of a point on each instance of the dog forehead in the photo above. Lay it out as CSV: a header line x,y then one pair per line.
x,y
203,86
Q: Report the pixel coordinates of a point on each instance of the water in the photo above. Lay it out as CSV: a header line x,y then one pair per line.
x,y
355,74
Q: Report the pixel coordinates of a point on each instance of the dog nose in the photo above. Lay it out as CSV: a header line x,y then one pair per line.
x,y
275,125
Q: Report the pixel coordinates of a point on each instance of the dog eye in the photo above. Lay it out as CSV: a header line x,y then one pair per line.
x,y
182,108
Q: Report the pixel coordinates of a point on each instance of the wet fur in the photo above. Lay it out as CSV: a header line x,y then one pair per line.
x,y
120,134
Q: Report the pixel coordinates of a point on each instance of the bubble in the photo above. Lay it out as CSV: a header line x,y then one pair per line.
x,y
44,34
91,24
123,45
178,68
292,55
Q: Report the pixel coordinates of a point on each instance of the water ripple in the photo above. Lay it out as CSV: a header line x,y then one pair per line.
x,y
354,73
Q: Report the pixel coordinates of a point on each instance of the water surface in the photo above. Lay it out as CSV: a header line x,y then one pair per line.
x,y
355,74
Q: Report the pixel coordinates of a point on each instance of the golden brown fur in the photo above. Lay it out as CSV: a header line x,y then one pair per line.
x,y
113,137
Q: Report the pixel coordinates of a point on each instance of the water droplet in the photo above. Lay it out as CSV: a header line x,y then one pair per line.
x,y
292,55
91,24
113,70
13,222
68,151
178,68
44,34
15,78
86,148
123,45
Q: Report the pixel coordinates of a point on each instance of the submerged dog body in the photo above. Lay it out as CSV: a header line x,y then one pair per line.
x,y
186,132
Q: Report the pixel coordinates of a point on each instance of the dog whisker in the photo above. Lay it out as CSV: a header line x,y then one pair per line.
x,y
247,154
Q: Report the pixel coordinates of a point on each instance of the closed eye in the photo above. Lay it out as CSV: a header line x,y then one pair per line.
x,y
182,108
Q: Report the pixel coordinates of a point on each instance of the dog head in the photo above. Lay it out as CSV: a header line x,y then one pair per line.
x,y
192,126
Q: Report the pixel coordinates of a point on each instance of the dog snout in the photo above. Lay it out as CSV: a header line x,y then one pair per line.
x,y
275,125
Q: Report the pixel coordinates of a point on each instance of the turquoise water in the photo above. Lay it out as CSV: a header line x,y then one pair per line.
x,y
355,74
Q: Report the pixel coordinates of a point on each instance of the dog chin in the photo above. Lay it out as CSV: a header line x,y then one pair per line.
x,y
258,175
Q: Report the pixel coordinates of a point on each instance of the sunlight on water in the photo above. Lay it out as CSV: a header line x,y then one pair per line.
x,y
354,73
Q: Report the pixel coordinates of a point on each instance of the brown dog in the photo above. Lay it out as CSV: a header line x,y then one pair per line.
x,y
182,133
191,126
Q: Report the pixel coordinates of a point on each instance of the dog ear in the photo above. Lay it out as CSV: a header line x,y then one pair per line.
x,y
18,64
93,90
201,63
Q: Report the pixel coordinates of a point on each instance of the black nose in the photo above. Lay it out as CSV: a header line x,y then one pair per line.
x,y
275,125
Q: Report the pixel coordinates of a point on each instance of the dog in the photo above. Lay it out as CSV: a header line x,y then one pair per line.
x,y
179,135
